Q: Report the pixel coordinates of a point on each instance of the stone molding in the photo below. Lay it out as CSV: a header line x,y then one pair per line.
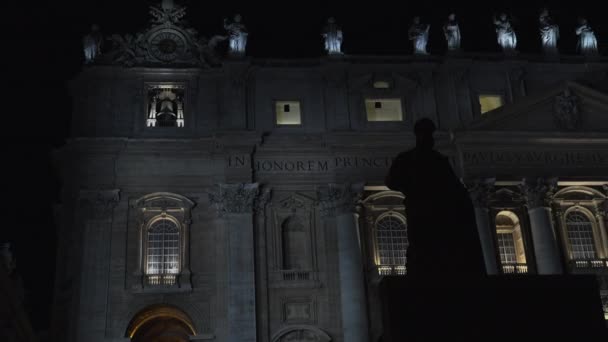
x,y
337,199
538,193
239,198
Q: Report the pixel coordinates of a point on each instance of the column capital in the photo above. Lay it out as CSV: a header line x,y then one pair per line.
x,y
101,201
336,199
538,192
480,190
239,198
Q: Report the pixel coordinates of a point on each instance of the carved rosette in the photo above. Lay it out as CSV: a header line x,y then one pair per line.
x,y
336,199
100,202
480,191
239,198
538,193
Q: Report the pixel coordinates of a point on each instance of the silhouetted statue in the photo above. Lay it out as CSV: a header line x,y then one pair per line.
x,y
442,230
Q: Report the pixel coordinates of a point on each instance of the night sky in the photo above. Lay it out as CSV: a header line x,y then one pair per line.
x,y
42,50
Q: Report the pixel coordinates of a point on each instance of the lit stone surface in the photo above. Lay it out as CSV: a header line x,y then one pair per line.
x,y
264,262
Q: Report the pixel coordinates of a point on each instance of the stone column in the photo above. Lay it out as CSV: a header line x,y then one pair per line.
x,y
600,216
236,205
538,195
96,208
337,202
479,191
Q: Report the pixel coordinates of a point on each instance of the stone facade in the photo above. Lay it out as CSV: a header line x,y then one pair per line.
x,y
277,224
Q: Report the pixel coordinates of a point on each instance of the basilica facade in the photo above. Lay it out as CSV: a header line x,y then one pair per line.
x,y
244,200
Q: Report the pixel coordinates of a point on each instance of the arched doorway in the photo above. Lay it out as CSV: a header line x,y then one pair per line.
x,y
160,323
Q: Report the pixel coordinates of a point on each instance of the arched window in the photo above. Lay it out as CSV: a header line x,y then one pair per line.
x,y
579,229
162,252
510,243
391,243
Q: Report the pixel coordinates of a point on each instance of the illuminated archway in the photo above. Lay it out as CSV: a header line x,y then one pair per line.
x,y
160,323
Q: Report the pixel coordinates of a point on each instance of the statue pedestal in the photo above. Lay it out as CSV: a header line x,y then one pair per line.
x,y
496,308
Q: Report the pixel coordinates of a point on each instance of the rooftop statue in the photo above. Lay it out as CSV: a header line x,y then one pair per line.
x,y
505,35
549,32
587,42
237,36
92,44
419,35
451,31
333,37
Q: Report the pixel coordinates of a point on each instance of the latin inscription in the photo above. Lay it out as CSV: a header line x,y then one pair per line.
x,y
536,158
311,165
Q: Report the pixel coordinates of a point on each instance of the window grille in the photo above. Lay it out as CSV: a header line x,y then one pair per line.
x,y
163,250
580,236
392,243
506,248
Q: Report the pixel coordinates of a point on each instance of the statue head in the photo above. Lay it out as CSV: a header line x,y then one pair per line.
x,y
424,129
503,16
452,16
544,12
416,20
94,28
237,18
331,20
582,21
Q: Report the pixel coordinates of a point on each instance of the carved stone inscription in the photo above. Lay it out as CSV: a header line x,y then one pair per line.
x,y
537,158
311,165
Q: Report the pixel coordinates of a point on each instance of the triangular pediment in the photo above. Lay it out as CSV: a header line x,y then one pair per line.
x,y
569,107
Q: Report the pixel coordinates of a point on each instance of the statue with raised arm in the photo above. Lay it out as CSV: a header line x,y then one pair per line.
x,y
549,32
587,42
237,36
419,35
451,31
92,44
333,37
505,35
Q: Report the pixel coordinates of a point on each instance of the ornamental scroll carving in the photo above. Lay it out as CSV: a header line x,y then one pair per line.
x,y
566,111
239,198
100,202
480,191
539,192
336,199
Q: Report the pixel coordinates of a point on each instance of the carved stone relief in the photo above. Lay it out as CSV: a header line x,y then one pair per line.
x,y
566,111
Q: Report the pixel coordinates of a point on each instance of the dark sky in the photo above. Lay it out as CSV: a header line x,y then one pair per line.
x,y
41,51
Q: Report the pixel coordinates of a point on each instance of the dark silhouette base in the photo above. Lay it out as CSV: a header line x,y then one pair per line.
x,y
493,308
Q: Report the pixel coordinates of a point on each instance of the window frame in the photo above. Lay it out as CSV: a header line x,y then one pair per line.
x,y
381,97
376,248
490,92
145,243
275,114
148,210
594,230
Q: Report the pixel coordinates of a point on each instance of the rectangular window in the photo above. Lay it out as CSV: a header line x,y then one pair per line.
x,y
165,105
381,85
288,113
384,109
488,102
